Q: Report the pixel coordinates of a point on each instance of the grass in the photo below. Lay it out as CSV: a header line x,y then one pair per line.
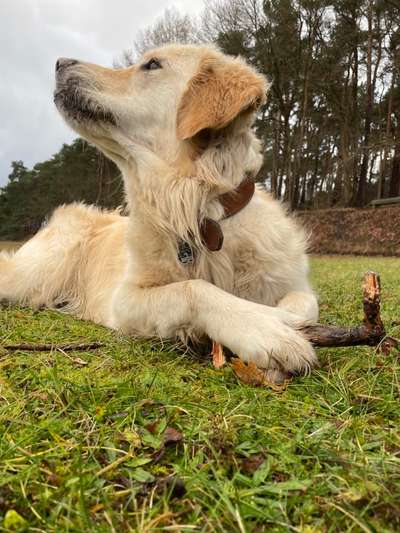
x,y
81,446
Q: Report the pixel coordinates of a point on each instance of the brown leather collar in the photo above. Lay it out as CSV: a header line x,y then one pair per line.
x,y
232,202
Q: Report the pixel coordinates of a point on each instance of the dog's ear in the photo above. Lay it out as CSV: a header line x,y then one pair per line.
x,y
217,94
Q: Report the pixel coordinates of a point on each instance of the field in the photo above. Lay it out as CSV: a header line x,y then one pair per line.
x,y
139,436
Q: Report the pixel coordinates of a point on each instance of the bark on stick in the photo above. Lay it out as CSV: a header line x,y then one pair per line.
x,y
371,332
71,347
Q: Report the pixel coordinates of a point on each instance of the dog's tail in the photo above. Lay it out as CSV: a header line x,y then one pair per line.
x,y
5,270
38,274
44,271
23,275
49,269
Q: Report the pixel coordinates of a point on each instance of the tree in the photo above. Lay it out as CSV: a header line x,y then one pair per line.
x,y
19,171
78,172
331,125
171,27
331,65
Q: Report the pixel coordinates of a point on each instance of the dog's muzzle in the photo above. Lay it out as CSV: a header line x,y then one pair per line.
x,y
73,99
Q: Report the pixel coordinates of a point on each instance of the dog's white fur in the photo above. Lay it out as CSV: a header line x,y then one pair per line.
x,y
123,272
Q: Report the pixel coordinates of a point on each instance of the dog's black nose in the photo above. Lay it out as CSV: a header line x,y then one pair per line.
x,y
64,62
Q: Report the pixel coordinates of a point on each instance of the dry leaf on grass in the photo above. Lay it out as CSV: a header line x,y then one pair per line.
x,y
96,508
251,464
172,436
387,345
79,361
252,375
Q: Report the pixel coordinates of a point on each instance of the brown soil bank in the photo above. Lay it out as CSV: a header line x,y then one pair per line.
x,y
354,231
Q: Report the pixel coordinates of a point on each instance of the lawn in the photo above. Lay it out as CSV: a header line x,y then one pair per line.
x,y
136,436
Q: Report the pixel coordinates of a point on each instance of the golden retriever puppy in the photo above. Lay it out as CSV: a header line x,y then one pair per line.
x,y
199,253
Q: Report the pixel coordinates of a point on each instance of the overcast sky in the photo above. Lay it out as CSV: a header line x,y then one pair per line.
x,y
33,34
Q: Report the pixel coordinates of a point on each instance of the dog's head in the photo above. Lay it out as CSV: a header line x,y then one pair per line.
x,y
176,95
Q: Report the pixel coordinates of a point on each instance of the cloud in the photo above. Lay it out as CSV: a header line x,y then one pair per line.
x,y
33,34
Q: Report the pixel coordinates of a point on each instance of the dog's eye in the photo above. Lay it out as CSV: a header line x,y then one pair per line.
x,y
153,64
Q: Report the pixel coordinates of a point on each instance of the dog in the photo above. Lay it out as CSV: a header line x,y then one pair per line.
x,y
201,252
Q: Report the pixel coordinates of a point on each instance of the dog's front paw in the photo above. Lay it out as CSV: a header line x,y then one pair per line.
x,y
276,374
270,343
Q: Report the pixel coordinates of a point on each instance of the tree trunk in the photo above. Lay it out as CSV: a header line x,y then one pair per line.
x,y
275,154
383,169
354,132
362,180
394,184
286,155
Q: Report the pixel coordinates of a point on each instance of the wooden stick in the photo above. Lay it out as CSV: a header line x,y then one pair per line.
x,y
331,336
371,332
51,347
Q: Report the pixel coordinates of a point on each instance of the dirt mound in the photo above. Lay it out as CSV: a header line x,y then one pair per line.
x,y
354,231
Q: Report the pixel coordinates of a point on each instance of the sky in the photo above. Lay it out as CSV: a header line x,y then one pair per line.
x,y
33,34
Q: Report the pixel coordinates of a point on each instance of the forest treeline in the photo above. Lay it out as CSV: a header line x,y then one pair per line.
x,y
78,172
331,126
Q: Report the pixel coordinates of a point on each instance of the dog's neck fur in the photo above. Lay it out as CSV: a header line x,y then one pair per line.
x,y
174,195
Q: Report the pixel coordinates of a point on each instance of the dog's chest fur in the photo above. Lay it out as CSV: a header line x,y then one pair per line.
x,y
260,269
262,256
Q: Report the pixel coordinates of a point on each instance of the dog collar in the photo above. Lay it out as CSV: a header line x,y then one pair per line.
x,y
210,230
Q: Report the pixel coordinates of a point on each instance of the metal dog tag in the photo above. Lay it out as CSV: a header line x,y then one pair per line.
x,y
185,253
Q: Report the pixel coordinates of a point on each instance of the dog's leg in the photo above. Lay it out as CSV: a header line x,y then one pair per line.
x,y
302,303
255,332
